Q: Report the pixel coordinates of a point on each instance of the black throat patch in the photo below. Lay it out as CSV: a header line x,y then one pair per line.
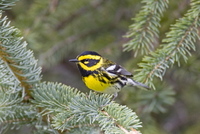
x,y
86,73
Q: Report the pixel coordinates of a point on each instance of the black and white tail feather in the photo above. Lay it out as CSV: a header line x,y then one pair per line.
x,y
119,71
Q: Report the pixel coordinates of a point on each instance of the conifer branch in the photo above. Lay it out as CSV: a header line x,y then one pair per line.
x,y
145,29
180,40
18,71
18,65
68,108
12,111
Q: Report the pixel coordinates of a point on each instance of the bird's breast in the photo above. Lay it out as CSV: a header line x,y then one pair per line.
x,y
95,84
101,84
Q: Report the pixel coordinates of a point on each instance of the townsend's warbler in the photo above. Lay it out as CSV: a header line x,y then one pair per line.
x,y
103,75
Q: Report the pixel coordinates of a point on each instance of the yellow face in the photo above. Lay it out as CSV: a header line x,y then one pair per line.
x,y
90,62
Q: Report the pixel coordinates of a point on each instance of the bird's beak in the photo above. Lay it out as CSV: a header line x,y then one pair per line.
x,y
73,60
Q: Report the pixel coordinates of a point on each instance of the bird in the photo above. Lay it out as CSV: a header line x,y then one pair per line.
x,y
103,75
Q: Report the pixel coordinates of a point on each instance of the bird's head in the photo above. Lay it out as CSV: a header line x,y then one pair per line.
x,y
88,60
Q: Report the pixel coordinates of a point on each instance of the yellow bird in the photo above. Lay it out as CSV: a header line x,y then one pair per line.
x,y
103,75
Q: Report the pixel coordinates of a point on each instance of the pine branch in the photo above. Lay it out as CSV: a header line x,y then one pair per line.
x,y
18,65
180,40
67,108
145,29
12,111
18,73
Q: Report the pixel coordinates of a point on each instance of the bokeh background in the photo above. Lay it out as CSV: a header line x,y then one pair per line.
x,y
58,30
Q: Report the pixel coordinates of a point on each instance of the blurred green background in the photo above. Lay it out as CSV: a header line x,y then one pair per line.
x,y
58,30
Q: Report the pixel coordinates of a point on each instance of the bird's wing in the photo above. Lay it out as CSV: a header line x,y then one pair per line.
x,y
118,70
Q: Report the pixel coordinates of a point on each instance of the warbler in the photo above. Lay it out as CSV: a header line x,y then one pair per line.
x,y
103,75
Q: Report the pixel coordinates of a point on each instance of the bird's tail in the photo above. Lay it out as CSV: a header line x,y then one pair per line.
x,y
137,84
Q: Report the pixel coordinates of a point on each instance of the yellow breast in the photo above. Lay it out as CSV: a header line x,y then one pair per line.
x,y
96,85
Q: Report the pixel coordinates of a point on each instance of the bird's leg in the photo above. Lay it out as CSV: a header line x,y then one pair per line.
x,y
114,96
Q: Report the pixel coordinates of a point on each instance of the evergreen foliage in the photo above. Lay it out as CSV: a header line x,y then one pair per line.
x,y
68,109
58,29
144,32
18,66
18,73
176,46
12,111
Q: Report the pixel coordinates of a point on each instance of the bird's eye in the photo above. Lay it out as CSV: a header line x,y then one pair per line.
x,y
86,61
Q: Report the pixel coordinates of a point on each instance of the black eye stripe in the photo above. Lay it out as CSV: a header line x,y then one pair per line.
x,y
84,60
91,62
